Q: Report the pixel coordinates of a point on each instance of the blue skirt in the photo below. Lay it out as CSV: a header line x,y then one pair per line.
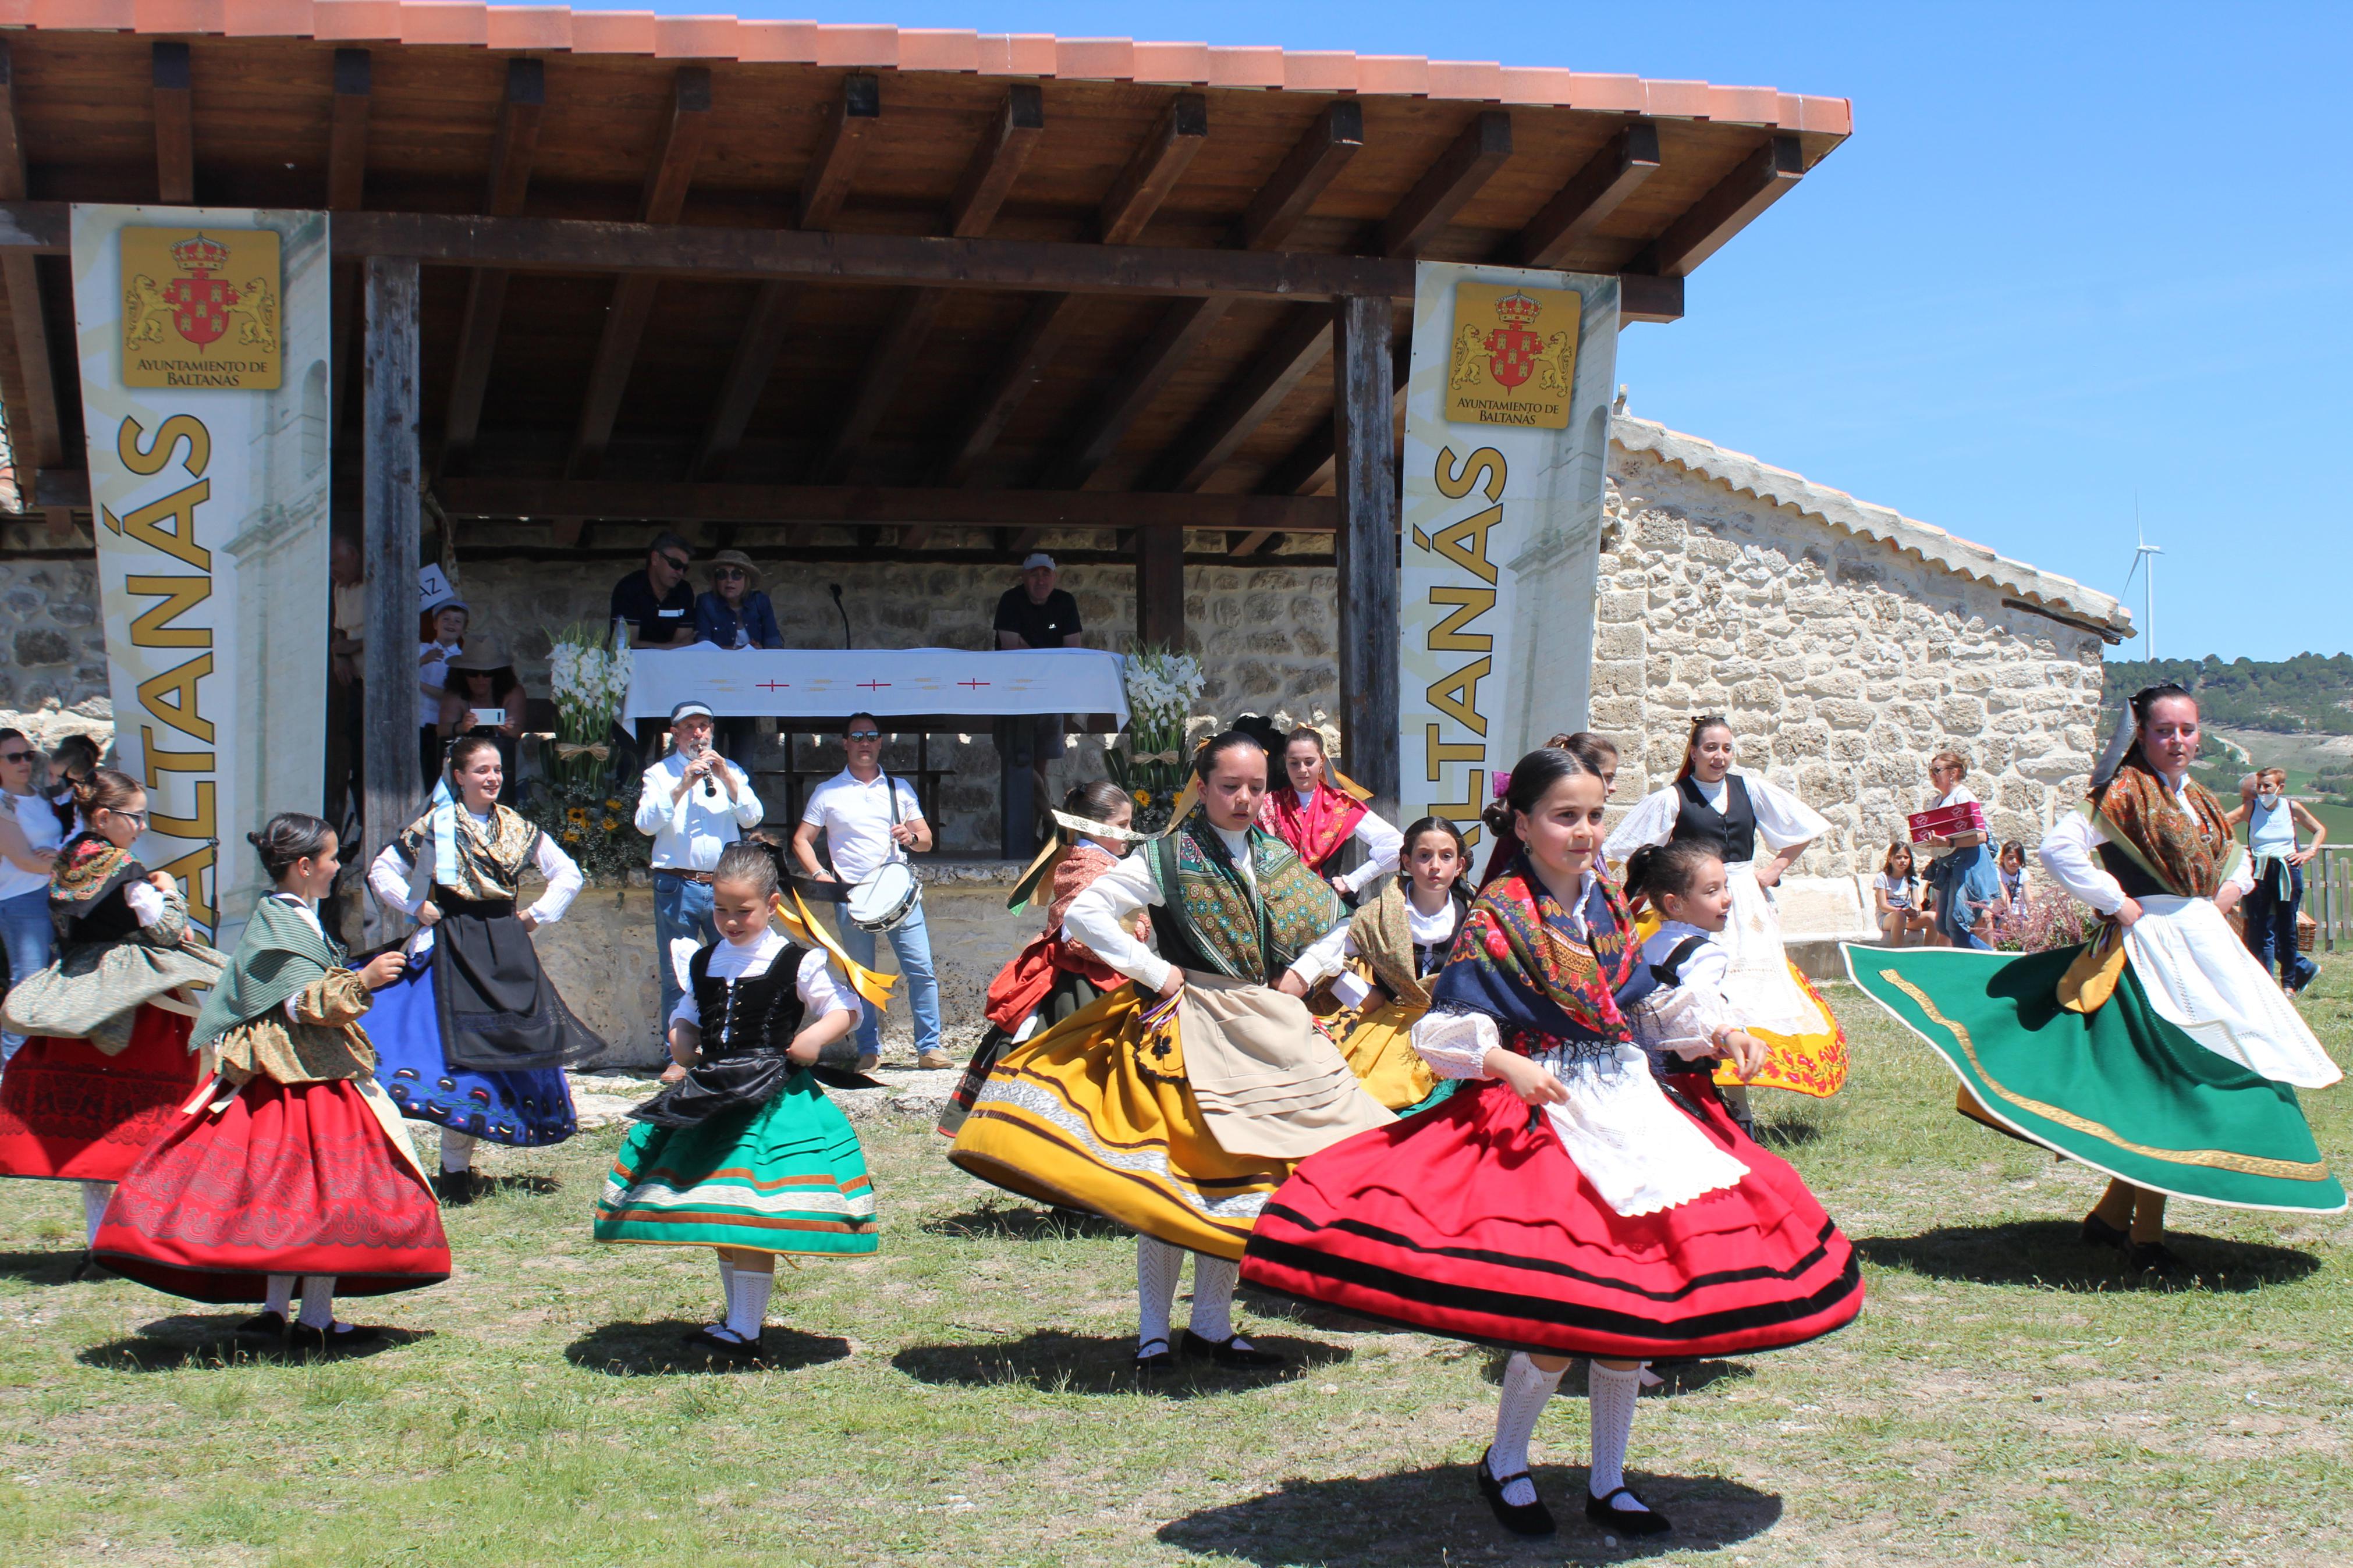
x,y
521,1108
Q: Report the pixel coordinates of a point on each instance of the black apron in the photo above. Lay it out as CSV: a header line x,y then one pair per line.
x,y
498,1010
746,1027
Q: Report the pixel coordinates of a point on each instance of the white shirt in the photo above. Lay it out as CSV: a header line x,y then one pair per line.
x,y
388,879
856,817
1331,953
821,990
1782,819
1899,890
1384,845
2067,853
1959,794
1102,914
689,833
42,831
434,673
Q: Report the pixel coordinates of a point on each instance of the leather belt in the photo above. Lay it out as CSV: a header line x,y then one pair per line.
x,y
682,876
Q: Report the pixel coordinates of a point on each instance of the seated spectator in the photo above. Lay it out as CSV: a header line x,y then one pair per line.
x,y
444,635
733,612
657,602
2012,906
1901,898
482,681
73,759
1036,614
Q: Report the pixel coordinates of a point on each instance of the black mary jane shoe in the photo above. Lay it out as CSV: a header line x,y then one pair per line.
x,y
264,1325
91,1271
333,1340
2152,1257
456,1189
1640,1520
708,1339
1230,1352
1520,1518
1152,1362
2098,1232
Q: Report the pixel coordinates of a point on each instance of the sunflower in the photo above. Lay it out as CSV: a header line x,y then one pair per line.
x,y
612,805
611,824
576,814
1142,798
572,836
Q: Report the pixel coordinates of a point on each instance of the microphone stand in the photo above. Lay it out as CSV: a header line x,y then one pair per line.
x,y
836,590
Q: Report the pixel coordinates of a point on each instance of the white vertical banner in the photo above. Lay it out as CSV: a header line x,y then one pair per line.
x,y
1506,440
204,335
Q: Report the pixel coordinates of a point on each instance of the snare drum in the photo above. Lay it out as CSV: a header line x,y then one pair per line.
x,y
884,899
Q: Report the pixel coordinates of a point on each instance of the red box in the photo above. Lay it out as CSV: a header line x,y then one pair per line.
x,y
1966,817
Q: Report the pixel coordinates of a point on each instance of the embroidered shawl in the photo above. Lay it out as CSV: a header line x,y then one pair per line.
x,y
1383,934
1315,831
1245,937
279,955
1073,875
2188,852
86,870
489,865
1516,960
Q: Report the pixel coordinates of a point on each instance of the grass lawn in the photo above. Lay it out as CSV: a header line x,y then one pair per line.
x,y
962,1398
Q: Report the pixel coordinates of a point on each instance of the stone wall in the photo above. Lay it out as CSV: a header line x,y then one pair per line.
x,y
1842,663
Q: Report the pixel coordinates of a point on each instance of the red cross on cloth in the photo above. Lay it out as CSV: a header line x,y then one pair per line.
x,y
974,684
775,686
873,685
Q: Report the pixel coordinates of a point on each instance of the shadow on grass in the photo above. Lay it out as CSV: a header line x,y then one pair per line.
x,y
1075,1364
655,1350
1437,1515
2051,1253
44,1268
1791,1135
183,1341
517,1186
993,1222
1675,1376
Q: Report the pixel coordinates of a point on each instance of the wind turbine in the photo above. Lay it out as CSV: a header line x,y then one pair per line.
x,y
2142,552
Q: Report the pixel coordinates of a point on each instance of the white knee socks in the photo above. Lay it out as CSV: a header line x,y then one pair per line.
x,y
1613,1422
747,1301
727,1281
280,1297
95,1197
457,1150
318,1302
1214,1279
1156,1266
1526,1387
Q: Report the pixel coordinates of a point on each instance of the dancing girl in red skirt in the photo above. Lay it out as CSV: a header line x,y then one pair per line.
x,y
1567,1201
291,1165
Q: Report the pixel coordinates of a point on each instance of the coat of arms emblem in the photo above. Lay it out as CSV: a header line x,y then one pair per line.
x,y
1511,359
200,308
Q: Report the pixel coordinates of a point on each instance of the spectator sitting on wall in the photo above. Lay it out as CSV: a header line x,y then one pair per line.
x,y
2011,865
657,602
1034,614
1901,897
484,697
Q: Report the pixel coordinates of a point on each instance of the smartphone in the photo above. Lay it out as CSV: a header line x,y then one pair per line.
x,y
490,718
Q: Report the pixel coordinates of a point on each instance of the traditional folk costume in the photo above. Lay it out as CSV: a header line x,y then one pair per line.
x,y
1178,1116
1771,998
745,1152
1053,977
291,1163
1634,1220
474,1037
1389,943
107,1062
1325,820
2161,1054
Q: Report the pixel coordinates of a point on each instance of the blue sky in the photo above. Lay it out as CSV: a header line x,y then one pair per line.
x,y
2074,254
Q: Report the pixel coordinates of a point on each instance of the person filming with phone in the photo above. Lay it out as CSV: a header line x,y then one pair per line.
x,y
695,804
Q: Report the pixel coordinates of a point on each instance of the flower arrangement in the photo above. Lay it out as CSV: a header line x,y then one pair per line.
x,y
591,814
1149,761
2048,920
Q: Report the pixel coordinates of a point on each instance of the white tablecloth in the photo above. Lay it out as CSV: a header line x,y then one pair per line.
x,y
829,683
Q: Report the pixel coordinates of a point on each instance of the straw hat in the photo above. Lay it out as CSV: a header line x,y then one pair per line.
x,y
733,558
482,653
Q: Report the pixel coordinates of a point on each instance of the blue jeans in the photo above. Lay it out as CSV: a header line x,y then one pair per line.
x,y
912,945
682,909
2269,925
30,941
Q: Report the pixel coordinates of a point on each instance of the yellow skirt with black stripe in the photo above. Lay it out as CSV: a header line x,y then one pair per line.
x,y
1379,1048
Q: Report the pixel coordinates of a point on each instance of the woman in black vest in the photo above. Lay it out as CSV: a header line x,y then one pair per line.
x,y
1730,812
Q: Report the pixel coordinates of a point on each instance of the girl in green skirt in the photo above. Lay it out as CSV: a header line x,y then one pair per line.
x,y
746,1154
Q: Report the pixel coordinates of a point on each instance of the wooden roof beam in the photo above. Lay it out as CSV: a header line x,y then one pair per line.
x,y
633,295
175,129
1592,194
514,149
1764,177
1150,173
1303,343
1449,183
1313,162
824,185
347,138
1307,465
986,180
879,505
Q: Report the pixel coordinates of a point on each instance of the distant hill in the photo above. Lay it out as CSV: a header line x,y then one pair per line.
x,y
2311,694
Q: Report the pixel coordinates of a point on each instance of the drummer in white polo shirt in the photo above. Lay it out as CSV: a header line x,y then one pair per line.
x,y
695,804
869,818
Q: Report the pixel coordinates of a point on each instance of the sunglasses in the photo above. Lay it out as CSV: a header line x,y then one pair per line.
x,y
863,735
728,574
137,816
15,756
678,564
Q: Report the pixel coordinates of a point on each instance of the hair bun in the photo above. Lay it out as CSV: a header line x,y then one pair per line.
x,y
1497,816
254,839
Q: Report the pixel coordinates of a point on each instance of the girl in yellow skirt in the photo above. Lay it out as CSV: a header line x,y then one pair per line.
x,y
1731,813
1175,1104
1391,949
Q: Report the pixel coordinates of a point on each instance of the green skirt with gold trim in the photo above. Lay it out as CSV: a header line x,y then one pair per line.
x,y
2120,1089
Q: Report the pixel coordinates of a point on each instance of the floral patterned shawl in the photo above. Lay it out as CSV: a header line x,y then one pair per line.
x,y
2188,852
1514,961
1315,831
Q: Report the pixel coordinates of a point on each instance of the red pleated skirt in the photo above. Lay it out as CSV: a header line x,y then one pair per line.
x,y
299,1179
70,1112
1472,1221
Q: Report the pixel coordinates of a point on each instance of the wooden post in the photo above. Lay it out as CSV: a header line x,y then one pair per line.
x,y
1160,587
1366,473
392,532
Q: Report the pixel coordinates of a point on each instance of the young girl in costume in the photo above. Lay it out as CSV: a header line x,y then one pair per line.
x,y
1318,819
1731,812
1055,975
474,1035
1600,752
746,1154
2159,1053
1392,949
1174,1105
107,1062
291,1165
1562,1203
